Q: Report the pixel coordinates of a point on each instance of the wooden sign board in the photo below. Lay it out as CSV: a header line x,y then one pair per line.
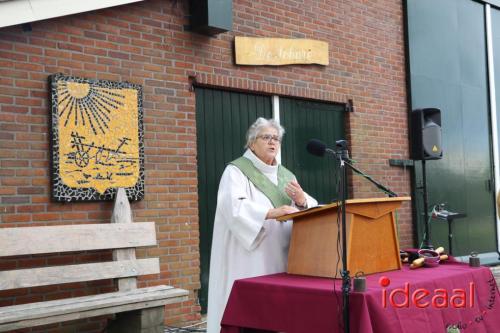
x,y
280,51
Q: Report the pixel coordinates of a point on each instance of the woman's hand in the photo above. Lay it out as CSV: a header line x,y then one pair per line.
x,y
296,192
274,213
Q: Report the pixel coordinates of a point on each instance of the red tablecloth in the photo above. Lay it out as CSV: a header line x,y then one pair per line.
x,y
300,304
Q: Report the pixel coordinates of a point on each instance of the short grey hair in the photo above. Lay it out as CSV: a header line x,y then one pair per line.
x,y
258,126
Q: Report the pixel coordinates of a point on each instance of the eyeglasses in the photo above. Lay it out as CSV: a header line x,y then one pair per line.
x,y
269,138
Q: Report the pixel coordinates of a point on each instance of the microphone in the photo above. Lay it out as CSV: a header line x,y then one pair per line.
x,y
318,148
342,149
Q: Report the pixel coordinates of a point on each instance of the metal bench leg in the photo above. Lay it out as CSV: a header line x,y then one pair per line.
x,y
139,321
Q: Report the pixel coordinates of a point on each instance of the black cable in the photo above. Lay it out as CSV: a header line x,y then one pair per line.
x,y
339,255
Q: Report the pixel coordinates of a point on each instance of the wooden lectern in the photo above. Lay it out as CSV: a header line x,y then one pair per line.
x,y
372,243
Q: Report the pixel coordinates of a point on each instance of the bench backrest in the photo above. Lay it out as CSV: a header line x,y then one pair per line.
x,y
123,236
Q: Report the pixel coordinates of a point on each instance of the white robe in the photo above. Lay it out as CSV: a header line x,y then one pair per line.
x,y
244,243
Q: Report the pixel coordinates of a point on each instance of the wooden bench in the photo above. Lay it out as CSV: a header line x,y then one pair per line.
x,y
137,309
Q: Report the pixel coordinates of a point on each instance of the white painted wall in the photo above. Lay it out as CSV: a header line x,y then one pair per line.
x,y
14,12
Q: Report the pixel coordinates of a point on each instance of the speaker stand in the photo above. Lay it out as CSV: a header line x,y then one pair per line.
x,y
426,244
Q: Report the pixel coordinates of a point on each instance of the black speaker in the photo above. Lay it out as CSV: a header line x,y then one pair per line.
x,y
211,17
426,134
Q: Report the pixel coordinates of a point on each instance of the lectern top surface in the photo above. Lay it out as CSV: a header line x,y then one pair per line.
x,y
320,208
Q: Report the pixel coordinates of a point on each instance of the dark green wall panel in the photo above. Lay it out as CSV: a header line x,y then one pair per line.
x,y
448,70
304,120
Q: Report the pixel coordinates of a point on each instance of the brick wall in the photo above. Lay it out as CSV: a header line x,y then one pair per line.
x,y
147,43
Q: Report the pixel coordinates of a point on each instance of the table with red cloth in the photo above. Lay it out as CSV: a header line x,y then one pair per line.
x,y
303,304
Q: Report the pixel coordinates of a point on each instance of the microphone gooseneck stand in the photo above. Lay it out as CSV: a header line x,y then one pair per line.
x,y
390,193
318,148
346,279
343,158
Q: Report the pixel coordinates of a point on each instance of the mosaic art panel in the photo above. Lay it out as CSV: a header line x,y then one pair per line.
x,y
97,139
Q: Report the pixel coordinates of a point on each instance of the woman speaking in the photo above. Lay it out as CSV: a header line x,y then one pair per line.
x,y
247,241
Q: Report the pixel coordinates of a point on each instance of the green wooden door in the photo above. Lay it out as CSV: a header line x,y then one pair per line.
x,y
222,119
448,70
304,120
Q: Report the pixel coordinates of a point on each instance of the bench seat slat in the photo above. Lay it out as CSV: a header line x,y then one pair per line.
x,y
32,277
76,237
41,313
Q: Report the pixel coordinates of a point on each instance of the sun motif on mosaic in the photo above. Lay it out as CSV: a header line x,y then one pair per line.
x,y
87,105
97,139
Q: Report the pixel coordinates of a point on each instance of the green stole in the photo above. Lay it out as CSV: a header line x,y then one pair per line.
x,y
276,194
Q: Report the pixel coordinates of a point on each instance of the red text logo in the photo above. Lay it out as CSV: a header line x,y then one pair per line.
x,y
423,298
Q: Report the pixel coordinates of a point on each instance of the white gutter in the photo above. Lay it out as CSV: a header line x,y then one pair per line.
x,y
276,116
493,110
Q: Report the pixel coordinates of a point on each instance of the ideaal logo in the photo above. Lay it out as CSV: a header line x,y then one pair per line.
x,y
422,298
439,298
457,327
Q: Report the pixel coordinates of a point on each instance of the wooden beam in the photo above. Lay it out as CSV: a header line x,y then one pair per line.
x,y
76,237
25,278
42,313
123,214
